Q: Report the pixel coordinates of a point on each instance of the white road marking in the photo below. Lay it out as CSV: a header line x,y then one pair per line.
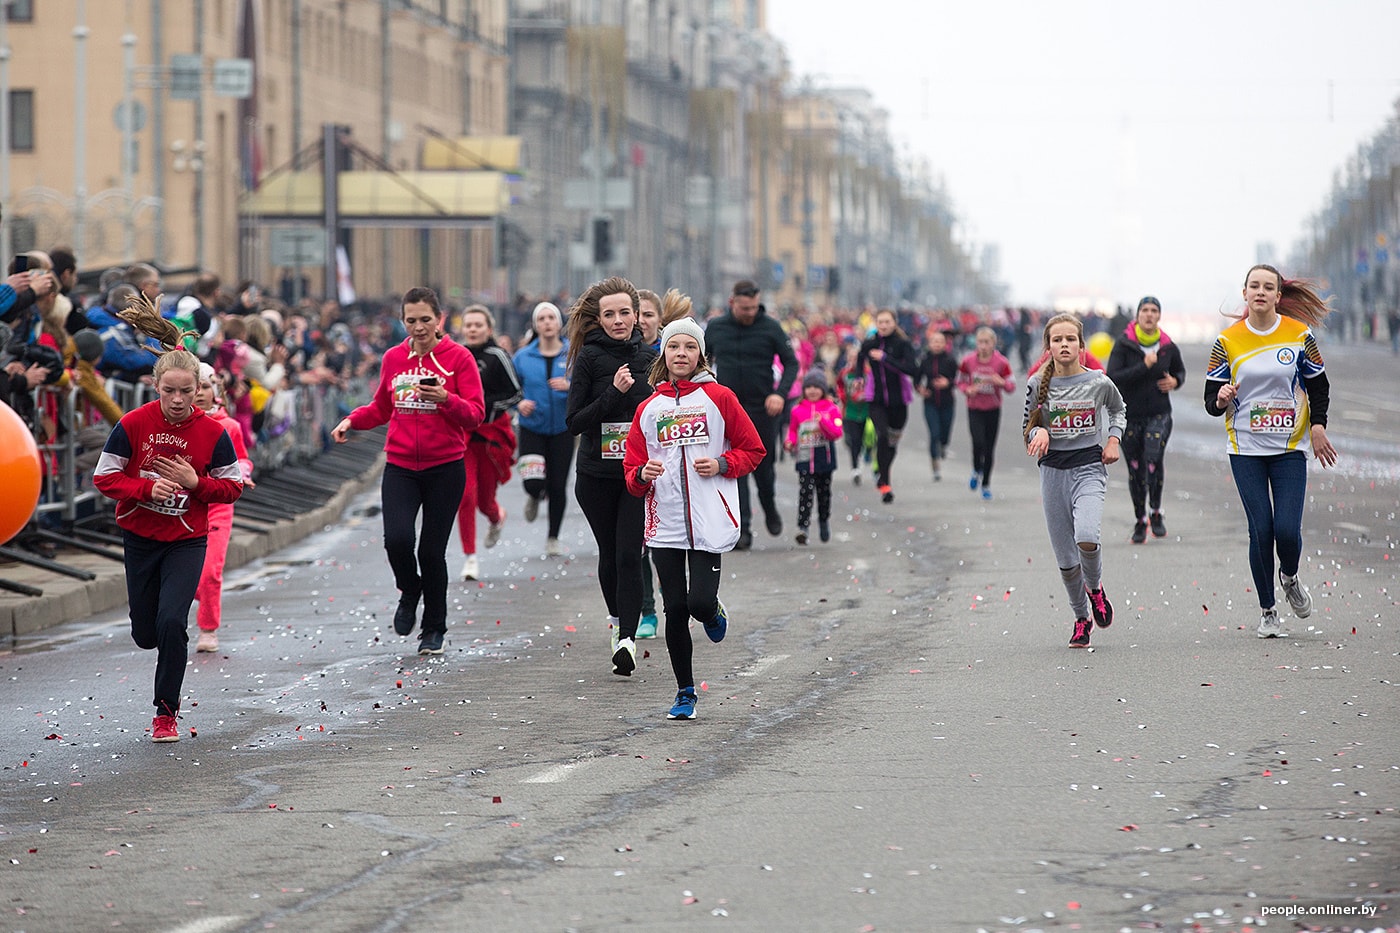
x,y
555,774
207,925
762,664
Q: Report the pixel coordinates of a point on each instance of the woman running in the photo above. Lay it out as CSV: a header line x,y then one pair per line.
x,y
686,447
888,358
1146,367
938,372
984,375
546,445
430,395
610,364
1266,377
1068,411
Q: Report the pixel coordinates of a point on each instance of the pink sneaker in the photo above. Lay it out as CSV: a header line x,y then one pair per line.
x,y
207,641
164,729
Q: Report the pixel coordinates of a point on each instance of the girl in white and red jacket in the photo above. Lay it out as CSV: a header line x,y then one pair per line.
x,y
812,431
430,394
688,445
166,463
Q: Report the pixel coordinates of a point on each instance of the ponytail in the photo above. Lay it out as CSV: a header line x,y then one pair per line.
x,y
1042,392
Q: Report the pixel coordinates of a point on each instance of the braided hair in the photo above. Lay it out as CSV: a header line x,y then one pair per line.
x,y
1047,372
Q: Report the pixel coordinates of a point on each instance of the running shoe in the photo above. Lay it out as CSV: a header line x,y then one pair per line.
x,y
207,641
470,571
716,628
972,483
430,643
552,548
1080,638
802,534
774,523
745,541
1299,599
532,508
165,729
493,534
646,628
1103,609
886,494
824,530
1140,531
937,476
1269,625
406,616
1159,527
855,476
684,707
986,494
625,657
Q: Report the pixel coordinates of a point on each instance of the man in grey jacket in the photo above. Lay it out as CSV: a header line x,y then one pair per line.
x,y
742,346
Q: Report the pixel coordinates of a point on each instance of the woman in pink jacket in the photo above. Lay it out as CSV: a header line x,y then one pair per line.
x,y
430,395
984,376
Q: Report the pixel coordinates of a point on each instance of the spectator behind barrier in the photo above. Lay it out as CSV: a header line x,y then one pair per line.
x,y
123,353
65,273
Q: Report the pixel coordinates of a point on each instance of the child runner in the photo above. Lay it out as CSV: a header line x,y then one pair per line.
x,y
889,357
165,463
813,427
688,444
983,375
850,392
209,398
1063,425
938,371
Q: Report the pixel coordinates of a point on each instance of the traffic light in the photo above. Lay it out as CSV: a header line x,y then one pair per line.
x,y
602,240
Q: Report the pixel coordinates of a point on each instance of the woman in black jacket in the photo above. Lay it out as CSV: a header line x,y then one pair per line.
x,y
1146,367
938,374
890,357
610,363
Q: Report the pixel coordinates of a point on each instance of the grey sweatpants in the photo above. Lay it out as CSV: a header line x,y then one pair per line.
x,y
1073,501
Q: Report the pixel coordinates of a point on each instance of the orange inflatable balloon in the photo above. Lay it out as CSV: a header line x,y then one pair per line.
x,y
20,474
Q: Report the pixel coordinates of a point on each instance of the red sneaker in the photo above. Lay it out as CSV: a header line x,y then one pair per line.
x,y
165,729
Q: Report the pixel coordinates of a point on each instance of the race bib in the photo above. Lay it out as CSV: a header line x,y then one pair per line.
x,y
531,466
680,427
1273,416
809,435
176,505
615,439
1073,418
407,396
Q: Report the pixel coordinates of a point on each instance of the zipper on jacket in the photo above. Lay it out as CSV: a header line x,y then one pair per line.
x,y
685,482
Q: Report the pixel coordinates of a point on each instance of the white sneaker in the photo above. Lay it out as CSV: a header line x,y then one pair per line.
x,y
470,570
208,641
493,534
1299,599
625,657
552,548
1269,625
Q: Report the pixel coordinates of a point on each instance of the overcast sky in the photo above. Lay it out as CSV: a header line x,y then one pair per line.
x,y
1131,147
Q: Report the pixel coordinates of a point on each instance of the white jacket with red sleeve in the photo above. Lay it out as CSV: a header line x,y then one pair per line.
x,y
680,422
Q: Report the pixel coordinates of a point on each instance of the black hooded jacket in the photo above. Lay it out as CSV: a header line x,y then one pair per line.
x,y
594,400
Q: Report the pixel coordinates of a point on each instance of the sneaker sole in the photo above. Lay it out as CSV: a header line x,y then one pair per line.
x,y
623,663
423,652
673,716
166,739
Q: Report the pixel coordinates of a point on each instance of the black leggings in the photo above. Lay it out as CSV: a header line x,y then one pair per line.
x,y
984,426
1144,446
699,600
558,453
853,432
161,577
807,483
889,421
436,491
616,516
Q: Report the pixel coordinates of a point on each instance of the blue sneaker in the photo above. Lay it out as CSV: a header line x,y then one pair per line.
x,y
684,707
972,483
986,493
647,627
720,625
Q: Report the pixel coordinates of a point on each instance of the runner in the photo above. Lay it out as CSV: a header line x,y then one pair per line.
x,y
546,445
430,395
983,376
491,445
687,445
1146,367
813,427
855,412
649,319
610,364
887,357
1256,371
1068,410
165,463
938,372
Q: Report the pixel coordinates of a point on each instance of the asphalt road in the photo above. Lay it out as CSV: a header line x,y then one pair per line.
x,y
894,736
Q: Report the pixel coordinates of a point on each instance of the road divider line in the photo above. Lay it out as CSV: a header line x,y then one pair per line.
x,y
555,774
207,925
762,664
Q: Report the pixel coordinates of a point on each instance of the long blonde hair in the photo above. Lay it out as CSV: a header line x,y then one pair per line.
x,y
674,306
142,314
1047,371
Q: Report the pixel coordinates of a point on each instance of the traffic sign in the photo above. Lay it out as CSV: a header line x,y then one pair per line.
x,y
186,77
133,120
233,77
297,246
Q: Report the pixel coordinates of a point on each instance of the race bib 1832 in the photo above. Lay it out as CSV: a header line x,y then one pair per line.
x,y
683,426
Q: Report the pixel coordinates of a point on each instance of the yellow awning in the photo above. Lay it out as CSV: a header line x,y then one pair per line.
x,y
473,153
384,195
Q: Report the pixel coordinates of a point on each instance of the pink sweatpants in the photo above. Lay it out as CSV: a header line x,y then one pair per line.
x,y
211,581
480,493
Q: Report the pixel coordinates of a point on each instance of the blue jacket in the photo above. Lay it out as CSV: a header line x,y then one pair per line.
x,y
123,351
551,405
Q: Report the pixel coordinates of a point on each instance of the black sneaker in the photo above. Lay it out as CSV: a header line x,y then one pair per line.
x,y
406,616
1140,531
1080,638
774,522
801,535
824,530
1159,527
745,541
1103,609
430,643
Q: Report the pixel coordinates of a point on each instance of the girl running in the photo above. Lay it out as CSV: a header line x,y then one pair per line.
x,y
610,363
430,394
855,410
938,372
165,463
888,356
546,446
1266,377
813,427
1067,411
984,375
686,447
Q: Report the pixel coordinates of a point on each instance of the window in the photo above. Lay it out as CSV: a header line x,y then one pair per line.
x,y
21,121
19,11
